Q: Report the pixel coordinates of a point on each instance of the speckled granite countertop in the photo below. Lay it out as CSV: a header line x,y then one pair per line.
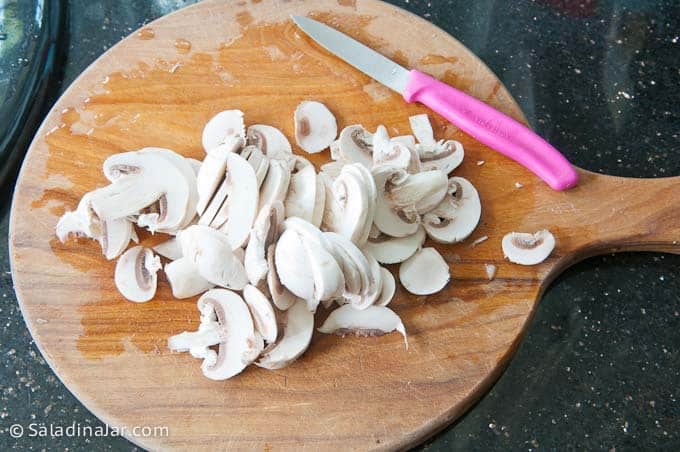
x,y
599,367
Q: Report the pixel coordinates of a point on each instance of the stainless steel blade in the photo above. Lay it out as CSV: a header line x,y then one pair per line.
x,y
355,53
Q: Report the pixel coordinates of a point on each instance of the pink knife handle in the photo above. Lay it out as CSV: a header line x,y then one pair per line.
x,y
493,128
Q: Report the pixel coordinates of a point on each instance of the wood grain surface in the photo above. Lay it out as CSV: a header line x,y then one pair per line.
x,y
158,87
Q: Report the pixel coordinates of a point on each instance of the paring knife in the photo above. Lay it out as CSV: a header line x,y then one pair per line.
x,y
486,124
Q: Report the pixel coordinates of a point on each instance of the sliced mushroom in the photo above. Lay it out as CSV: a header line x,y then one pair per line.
x,y
388,152
233,330
315,126
115,236
355,145
262,312
258,161
195,165
135,275
388,250
329,281
281,296
420,192
442,155
292,265
389,286
298,326
319,201
374,285
170,249
184,279
372,321
221,126
331,169
347,208
211,252
424,273
356,269
392,221
275,185
241,201
270,141
209,215
141,178
457,216
264,233
301,198
528,249
212,171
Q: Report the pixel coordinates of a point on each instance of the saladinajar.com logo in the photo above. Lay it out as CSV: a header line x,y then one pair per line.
x,y
75,429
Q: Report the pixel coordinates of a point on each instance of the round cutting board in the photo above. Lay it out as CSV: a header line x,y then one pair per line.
x,y
158,87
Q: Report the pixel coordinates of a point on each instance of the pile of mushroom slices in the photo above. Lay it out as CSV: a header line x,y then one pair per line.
x,y
265,238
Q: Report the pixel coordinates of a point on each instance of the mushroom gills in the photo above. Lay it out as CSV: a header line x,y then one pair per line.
x,y
457,216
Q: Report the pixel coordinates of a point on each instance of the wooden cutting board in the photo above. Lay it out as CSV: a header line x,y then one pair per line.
x,y
158,87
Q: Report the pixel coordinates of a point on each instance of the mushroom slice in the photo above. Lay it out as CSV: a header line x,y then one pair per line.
x,y
335,151
348,210
270,140
184,279
528,249
444,156
421,192
392,221
454,219
264,233
212,171
115,236
372,321
301,198
241,200
298,326
140,178
372,291
258,161
329,281
195,165
332,169
275,185
135,275
221,126
262,312
233,330
388,288
170,249
388,152
211,252
319,201
389,250
209,215
424,273
281,296
422,129
292,265
315,126
355,145
407,140
355,266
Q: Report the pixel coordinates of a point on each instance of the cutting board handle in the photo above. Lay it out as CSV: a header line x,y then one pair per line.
x,y
610,214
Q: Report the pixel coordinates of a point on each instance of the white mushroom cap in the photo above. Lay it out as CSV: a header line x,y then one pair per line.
x,y
425,272
184,279
372,321
388,250
301,198
281,296
264,233
315,126
221,126
389,286
355,145
270,140
212,254
211,173
454,219
292,265
262,312
298,325
528,249
135,275
170,249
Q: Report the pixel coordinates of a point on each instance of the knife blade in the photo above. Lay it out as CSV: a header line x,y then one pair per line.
x,y
481,121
